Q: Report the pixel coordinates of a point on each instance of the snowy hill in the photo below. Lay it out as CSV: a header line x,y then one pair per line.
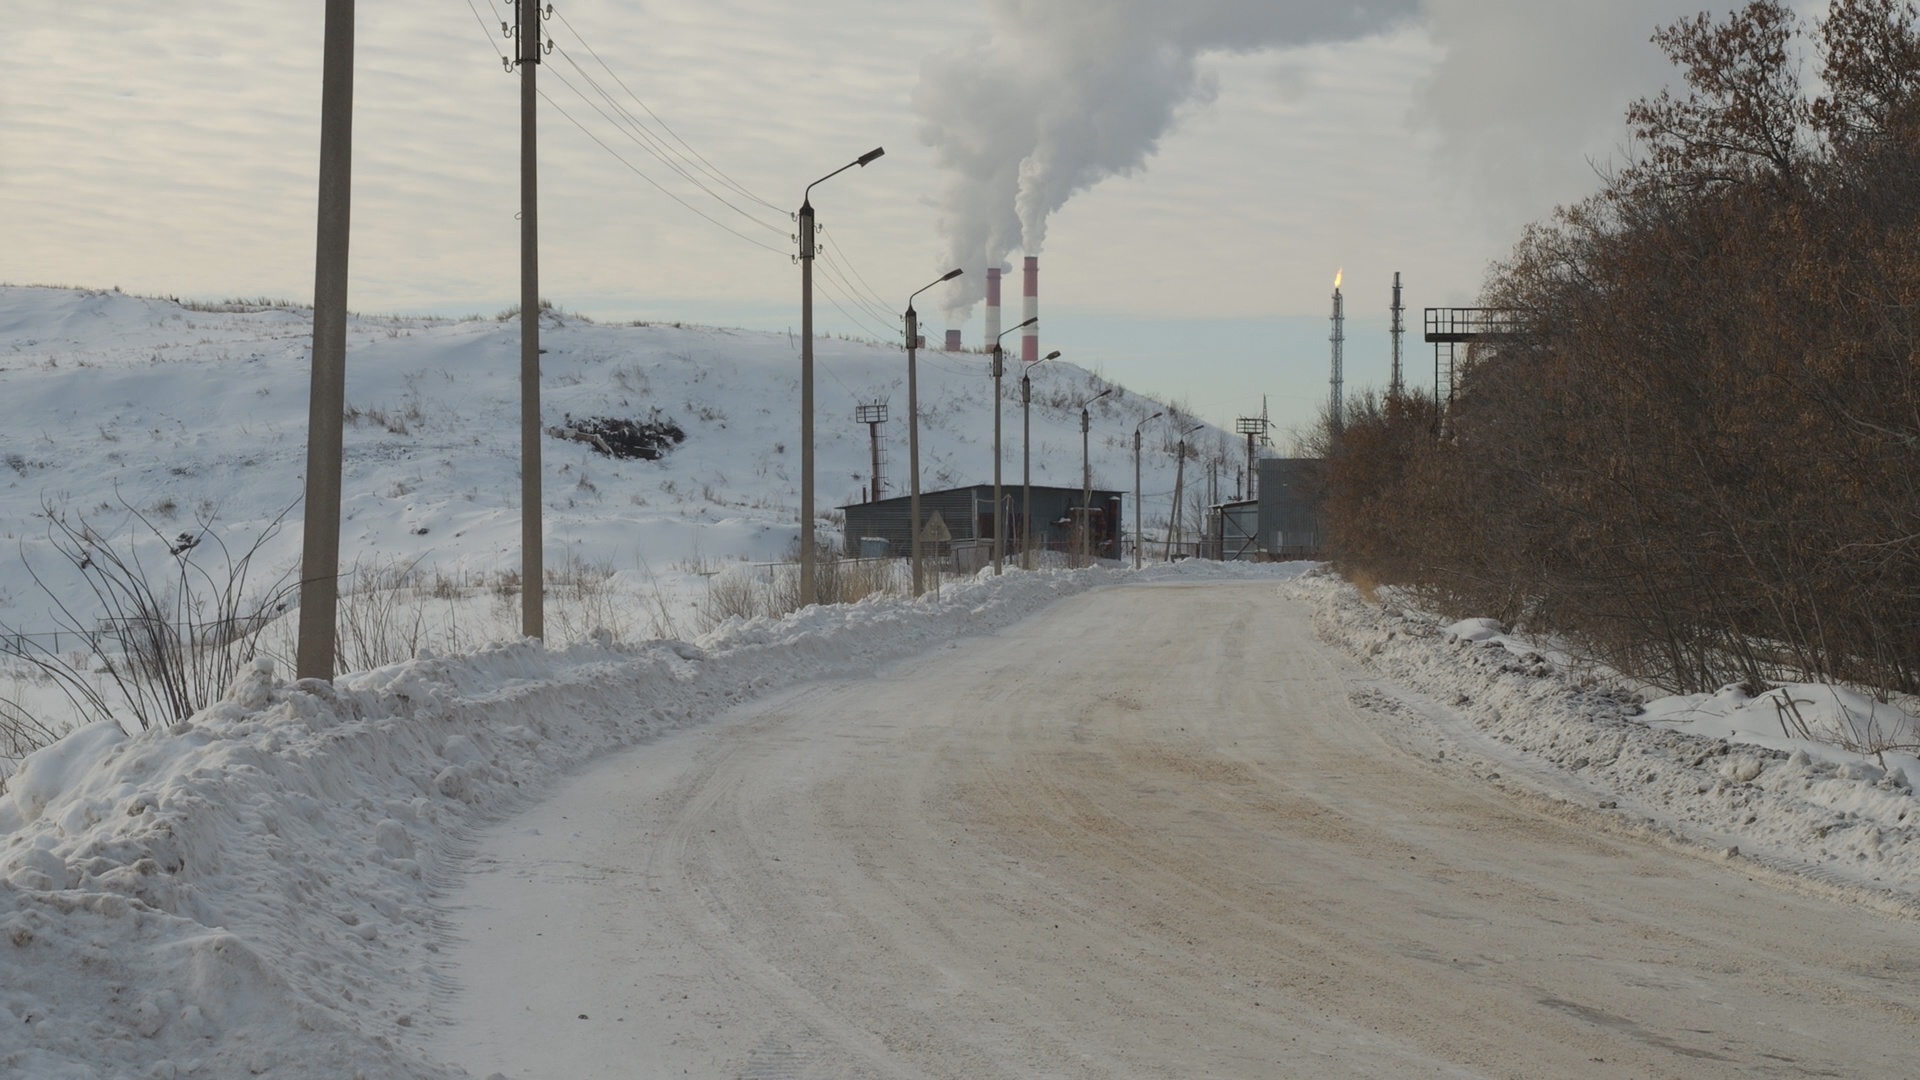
x,y
189,414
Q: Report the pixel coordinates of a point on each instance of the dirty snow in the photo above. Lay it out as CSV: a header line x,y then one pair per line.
x,y
1712,771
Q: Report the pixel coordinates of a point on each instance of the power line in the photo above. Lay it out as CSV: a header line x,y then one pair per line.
x,y
856,273
710,168
487,31
828,292
636,171
648,142
836,271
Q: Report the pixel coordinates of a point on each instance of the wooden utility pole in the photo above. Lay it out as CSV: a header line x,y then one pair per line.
x,y
326,406
532,562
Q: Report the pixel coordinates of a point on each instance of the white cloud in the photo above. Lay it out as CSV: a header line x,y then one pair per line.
x,y
177,155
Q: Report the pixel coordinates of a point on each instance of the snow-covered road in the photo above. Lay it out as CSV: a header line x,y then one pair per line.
x,y
1141,834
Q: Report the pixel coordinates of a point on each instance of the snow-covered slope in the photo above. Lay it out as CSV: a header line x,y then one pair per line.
x,y
187,413
114,403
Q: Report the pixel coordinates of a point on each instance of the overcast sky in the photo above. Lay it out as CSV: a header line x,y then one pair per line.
x,y
1192,174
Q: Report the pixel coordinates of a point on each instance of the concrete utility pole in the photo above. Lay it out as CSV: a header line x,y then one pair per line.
x,y
1026,459
1176,525
533,579
320,551
1138,537
999,500
913,427
1086,475
806,373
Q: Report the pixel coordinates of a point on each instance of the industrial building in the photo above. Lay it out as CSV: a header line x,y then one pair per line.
x,y
881,527
1282,521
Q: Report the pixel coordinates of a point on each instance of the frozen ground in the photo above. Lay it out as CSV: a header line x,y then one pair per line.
x,y
1150,831
254,891
258,890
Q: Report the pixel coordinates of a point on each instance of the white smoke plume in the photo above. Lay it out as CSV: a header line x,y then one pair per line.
x,y
1060,94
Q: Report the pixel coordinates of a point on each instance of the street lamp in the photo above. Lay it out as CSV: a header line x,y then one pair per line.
x,y
806,373
1086,474
1026,456
999,512
913,424
1136,486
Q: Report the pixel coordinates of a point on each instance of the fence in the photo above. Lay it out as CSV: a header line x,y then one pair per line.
x,y
24,645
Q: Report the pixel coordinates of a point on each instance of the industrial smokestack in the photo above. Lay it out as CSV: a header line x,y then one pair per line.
x,y
1030,309
1336,421
953,341
993,307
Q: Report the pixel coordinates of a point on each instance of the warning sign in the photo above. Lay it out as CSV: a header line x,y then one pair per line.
x,y
935,530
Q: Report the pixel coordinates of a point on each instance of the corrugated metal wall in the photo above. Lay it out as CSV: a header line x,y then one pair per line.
x,y
1290,494
968,513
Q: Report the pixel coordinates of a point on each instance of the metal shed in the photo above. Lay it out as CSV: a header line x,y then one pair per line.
x,y
1283,520
1290,494
967,513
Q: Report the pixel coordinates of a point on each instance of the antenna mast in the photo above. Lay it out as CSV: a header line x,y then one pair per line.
x,y
1335,422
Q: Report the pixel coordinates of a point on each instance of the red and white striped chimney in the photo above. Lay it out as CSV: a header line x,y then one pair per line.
x,y
953,341
993,307
1030,307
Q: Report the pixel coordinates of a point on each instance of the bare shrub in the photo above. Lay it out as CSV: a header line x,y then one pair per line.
x,y
171,631
772,590
1697,460
581,599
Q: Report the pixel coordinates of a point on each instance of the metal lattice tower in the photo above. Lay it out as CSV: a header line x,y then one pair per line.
x,y
1396,384
1335,418
873,416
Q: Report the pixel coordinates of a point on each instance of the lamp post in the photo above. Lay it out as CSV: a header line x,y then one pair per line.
x,y
1136,486
806,373
1026,456
913,426
999,511
1086,474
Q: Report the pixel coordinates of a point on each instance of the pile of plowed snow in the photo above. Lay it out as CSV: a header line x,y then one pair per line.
x,y
1715,770
252,891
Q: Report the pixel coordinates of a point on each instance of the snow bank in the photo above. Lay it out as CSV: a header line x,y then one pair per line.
x,y
1701,768
252,891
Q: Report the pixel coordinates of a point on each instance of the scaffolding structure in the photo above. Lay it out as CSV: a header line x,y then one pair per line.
x,y
1450,328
